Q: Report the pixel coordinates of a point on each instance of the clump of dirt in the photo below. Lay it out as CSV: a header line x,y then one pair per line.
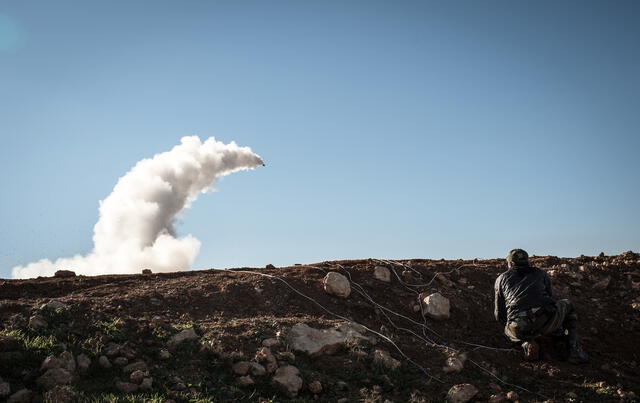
x,y
134,317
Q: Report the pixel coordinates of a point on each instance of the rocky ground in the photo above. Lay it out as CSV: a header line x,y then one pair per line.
x,y
348,331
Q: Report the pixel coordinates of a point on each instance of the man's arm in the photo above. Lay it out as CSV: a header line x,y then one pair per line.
x,y
500,309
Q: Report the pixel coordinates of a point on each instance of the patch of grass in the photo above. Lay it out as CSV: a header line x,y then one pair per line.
x,y
113,328
115,398
31,342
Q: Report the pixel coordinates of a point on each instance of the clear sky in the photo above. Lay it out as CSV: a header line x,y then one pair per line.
x,y
402,129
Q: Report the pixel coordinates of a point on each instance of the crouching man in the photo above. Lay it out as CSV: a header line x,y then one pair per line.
x,y
525,305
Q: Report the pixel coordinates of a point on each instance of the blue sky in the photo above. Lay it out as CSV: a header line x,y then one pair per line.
x,y
390,129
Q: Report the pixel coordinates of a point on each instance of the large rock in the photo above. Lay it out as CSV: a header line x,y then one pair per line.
x,y
54,377
53,305
5,389
435,306
185,335
64,274
337,284
382,273
61,394
461,393
21,396
287,379
315,342
67,361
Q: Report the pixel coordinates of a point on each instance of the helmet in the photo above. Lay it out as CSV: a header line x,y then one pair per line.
x,y
518,257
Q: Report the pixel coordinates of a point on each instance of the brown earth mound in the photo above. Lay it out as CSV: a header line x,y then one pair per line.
x,y
133,318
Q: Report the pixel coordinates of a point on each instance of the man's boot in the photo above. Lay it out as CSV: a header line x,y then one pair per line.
x,y
531,350
576,354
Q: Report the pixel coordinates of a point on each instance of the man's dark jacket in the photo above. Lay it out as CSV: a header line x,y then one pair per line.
x,y
520,289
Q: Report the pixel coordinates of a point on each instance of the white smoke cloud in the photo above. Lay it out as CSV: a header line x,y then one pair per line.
x,y
135,228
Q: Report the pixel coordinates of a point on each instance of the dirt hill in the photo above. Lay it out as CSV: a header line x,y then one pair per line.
x,y
113,338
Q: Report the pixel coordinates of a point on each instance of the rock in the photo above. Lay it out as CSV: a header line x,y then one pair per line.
x,y
64,274
61,394
241,367
269,266
53,305
444,280
257,369
384,358
126,387
185,335
513,396
104,362
435,306
164,354
121,361
5,388
67,361
147,384
455,363
461,393
157,321
287,378
9,343
264,355
112,350
382,273
498,398
315,387
54,377
83,363
316,342
270,342
37,321
286,356
602,284
337,284
245,381
147,271
49,363
135,366
136,376
341,385
21,396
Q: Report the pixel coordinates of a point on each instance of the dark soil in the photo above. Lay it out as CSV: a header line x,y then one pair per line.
x,y
234,311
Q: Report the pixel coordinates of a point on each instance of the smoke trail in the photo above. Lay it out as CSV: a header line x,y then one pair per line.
x,y
135,228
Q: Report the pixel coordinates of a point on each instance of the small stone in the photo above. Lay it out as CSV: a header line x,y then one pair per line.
x,y
257,369
571,395
164,354
67,361
270,342
343,400
185,335
147,271
37,321
64,274
435,306
21,396
269,266
384,358
337,284
157,321
135,366
112,350
382,273
286,356
287,378
341,385
512,395
461,393
264,355
137,376
126,387
121,361
54,377
83,363
455,363
147,384
315,387
104,362
49,363
416,308
498,398
245,381
241,367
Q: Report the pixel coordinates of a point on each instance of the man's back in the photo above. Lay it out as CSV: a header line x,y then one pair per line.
x,y
519,289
